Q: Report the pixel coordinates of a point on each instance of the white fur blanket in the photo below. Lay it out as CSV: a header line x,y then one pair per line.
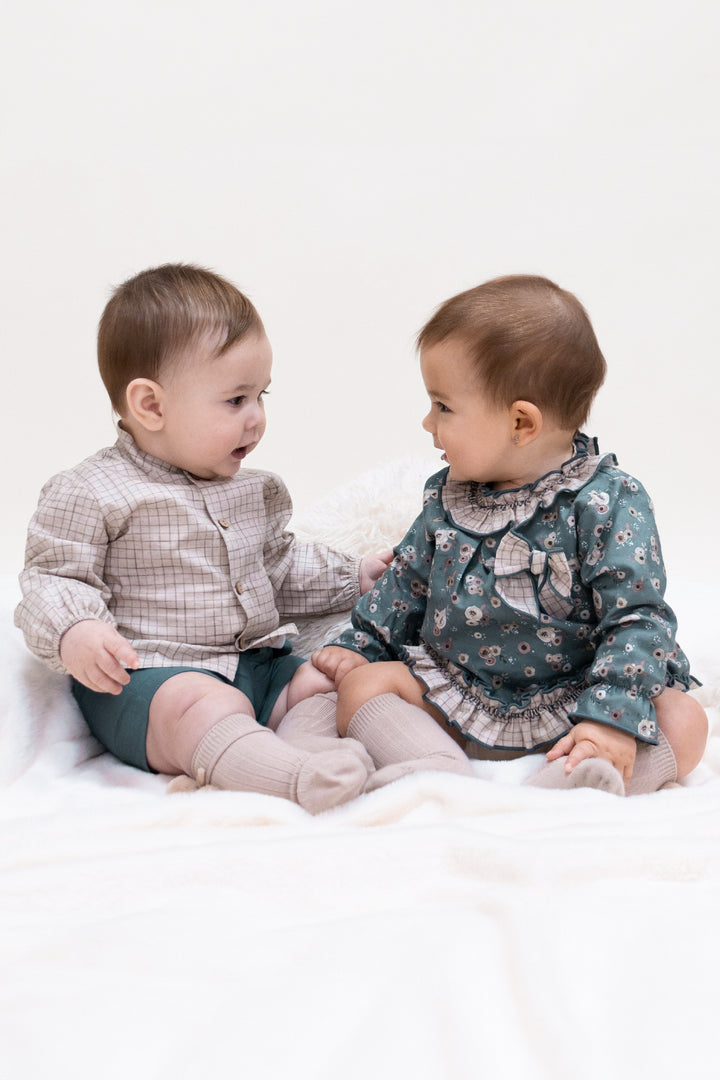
x,y
439,927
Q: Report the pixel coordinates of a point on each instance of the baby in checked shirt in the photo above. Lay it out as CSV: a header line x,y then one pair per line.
x,y
524,610
159,572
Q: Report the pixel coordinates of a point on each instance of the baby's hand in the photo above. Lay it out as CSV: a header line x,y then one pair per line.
x,y
373,567
96,655
336,662
590,739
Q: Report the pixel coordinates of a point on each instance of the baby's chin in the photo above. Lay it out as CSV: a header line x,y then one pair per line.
x,y
223,472
226,468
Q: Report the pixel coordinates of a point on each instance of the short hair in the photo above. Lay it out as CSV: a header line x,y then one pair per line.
x,y
529,340
156,315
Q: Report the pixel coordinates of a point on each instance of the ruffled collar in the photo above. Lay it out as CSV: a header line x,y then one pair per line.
x,y
481,509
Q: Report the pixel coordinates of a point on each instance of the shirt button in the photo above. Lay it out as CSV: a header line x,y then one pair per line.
x,y
224,522
239,588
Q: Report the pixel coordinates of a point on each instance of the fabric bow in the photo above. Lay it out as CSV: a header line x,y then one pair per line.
x,y
526,577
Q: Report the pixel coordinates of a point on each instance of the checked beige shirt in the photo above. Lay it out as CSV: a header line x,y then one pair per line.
x,y
190,571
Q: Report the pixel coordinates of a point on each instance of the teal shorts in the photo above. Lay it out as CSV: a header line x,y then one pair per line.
x,y
120,721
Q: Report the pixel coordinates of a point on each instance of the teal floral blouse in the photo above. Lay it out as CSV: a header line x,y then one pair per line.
x,y
525,611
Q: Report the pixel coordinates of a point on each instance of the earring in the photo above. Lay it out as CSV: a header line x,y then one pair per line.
x,y
516,439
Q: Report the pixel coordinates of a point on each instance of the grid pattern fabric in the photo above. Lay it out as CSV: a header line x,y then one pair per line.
x,y
190,571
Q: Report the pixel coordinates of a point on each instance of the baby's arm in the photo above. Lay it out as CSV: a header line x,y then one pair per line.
x,y
309,578
64,614
634,633
389,615
372,568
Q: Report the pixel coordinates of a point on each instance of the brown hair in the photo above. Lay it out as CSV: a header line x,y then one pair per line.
x,y
530,340
155,315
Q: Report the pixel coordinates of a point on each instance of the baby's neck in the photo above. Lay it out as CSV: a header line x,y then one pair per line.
x,y
143,439
547,453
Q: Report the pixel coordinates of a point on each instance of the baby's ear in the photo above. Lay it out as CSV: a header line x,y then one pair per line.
x,y
144,399
527,422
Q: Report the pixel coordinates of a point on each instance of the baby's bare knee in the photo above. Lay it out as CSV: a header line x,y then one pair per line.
x,y
684,723
184,709
370,681
374,679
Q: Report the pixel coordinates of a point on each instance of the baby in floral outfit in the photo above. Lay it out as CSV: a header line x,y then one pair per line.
x,y
524,610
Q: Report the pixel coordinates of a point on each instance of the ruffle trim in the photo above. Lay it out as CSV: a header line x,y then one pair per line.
x,y
480,509
543,720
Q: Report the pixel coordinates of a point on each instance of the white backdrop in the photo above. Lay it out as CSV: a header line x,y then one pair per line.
x,y
350,166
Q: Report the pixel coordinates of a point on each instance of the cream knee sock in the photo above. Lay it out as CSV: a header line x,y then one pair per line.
x,y
315,715
238,754
654,767
592,773
312,725
403,739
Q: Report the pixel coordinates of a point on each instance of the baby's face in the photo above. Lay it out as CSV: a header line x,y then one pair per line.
x,y
213,408
474,434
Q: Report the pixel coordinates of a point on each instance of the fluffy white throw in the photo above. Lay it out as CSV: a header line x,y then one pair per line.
x,y
440,927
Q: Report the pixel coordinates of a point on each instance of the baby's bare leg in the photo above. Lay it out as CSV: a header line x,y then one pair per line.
x,y
362,684
305,716
182,711
684,723
305,683
383,708
682,735
206,729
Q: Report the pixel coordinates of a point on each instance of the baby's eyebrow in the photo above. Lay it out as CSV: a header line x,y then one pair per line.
x,y
243,388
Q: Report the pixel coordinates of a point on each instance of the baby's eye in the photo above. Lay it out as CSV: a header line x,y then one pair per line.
x,y
236,400
440,407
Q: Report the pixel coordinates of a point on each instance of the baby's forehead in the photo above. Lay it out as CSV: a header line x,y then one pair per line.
x,y
209,346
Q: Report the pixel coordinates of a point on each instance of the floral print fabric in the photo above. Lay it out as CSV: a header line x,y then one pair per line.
x,y
524,611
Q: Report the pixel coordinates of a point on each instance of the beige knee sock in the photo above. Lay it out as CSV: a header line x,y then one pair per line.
x,y
315,715
238,754
312,725
592,773
654,767
403,739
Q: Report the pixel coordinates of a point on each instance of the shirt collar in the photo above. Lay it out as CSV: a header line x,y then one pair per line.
x,y
157,469
153,466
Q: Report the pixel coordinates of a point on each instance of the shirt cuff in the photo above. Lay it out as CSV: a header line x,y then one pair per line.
x,y
618,707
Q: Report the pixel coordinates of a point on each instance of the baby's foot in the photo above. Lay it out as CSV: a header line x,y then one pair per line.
x,y
330,778
592,773
315,744
181,784
434,763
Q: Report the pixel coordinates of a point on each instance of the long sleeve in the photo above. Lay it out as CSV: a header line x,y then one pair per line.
x,y
391,614
306,578
635,631
62,582
190,571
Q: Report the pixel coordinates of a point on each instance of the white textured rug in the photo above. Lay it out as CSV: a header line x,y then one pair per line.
x,y
440,927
